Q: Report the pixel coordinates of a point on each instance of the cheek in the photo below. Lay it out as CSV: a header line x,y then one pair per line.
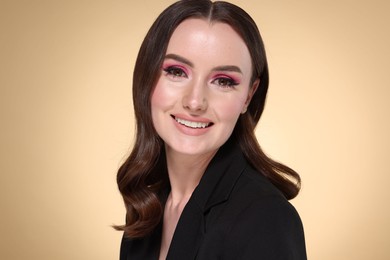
x,y
160,97
230,108
157,97
157,105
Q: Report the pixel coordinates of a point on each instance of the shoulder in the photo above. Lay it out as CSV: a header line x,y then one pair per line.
x,y
260,201
259,220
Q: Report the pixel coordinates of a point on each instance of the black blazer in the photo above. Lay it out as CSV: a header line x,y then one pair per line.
x,y
234,213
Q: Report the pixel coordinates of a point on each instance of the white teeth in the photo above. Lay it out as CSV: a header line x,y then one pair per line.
x,y
192,124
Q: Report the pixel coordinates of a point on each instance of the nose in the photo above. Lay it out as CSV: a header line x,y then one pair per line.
x,y
195,99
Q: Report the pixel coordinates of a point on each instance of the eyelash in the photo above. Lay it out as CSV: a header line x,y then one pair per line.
x,y
177,72
229,82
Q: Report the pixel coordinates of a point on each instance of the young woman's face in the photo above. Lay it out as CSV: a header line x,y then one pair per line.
x,y
203,88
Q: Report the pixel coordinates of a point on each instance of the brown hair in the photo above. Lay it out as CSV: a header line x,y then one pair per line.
x,y
144,173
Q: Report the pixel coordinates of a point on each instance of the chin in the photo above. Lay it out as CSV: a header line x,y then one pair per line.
x,y
191,149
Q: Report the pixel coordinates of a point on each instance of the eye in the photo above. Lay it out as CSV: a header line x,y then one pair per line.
x,y
225,82
175,72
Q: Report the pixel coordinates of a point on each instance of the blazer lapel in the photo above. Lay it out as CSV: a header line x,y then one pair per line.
x,y
188,234
214,188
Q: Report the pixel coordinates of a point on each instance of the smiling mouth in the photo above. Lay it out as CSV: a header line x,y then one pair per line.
x,y
192,124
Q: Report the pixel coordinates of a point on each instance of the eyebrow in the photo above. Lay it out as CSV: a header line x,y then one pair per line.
x,y
181,59
228,68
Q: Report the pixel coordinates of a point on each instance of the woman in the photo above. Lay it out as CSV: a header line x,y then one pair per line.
x,y
197,185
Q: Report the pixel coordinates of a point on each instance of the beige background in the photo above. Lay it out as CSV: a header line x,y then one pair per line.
x,y
66,120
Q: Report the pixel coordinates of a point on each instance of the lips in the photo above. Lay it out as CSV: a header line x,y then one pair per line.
x,y
192,124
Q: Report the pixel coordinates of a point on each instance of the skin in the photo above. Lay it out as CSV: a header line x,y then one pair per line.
x,y
203,88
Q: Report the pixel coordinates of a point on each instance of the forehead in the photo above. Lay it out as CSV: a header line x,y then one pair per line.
x,y
213,41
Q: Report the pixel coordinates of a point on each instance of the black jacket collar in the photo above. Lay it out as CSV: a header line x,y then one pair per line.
x,y
220,176
214,188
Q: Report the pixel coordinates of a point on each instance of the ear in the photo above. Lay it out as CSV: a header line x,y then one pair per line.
x,y
251,92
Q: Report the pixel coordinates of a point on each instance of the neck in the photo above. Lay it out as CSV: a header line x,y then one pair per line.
x,y
185,172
